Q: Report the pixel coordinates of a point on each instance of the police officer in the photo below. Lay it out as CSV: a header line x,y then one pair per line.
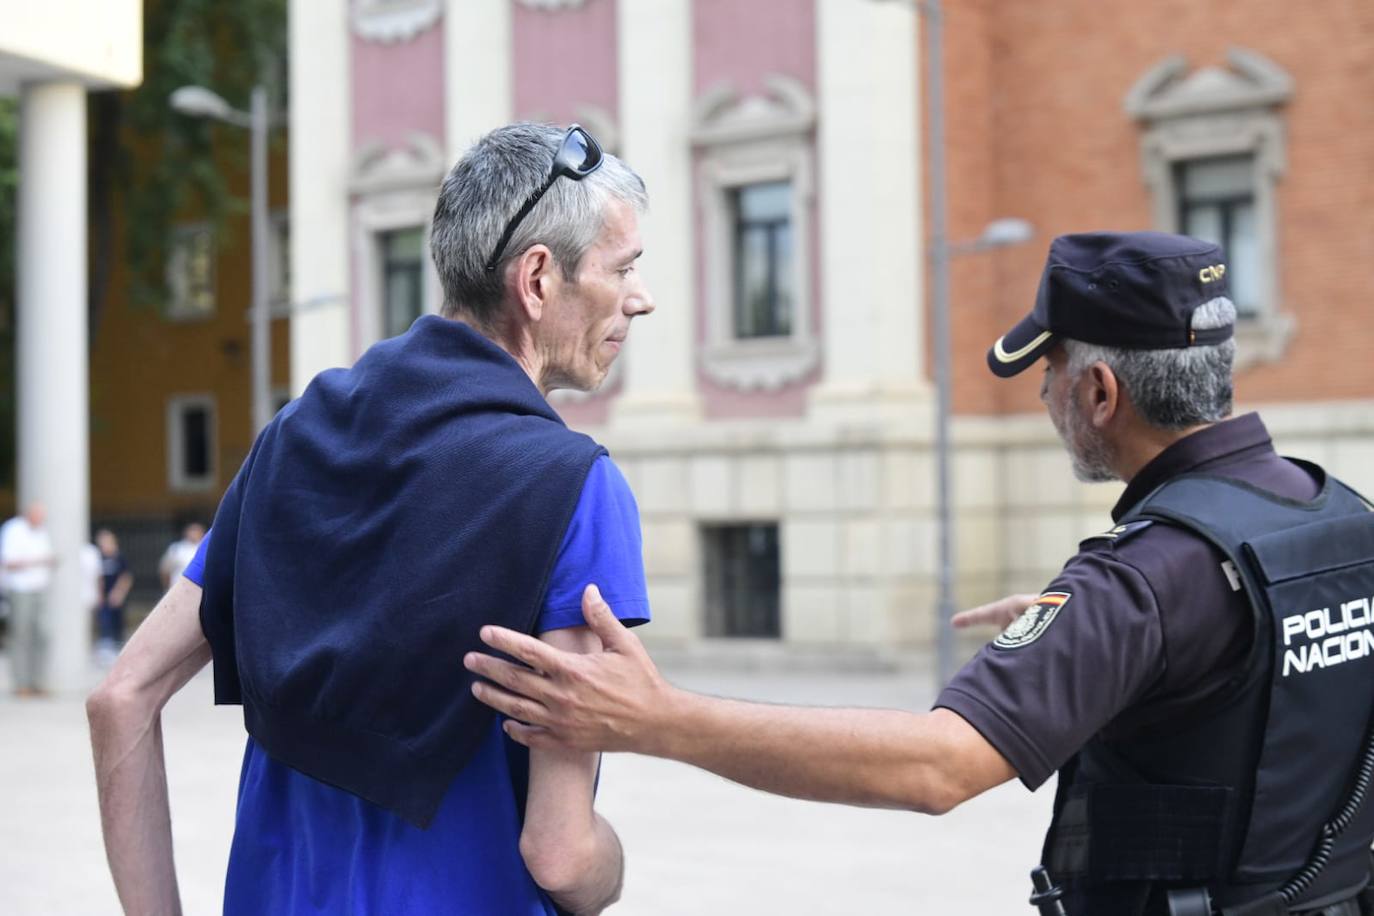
x,y
1201,675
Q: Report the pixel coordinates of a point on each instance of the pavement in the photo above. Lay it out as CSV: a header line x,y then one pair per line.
x,y
695,843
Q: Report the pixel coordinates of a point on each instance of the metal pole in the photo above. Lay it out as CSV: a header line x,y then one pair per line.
x,y
261,319
939,287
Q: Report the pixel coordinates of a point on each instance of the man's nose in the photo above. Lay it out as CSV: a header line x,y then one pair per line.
x,y
640,302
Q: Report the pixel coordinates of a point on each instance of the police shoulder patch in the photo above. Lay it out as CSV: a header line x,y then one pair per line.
x,y
1033,623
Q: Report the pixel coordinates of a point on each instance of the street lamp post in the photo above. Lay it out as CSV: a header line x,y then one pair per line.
x,y
197,101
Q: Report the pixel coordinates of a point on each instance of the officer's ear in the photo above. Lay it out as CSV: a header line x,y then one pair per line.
x,y
531,280
1104,394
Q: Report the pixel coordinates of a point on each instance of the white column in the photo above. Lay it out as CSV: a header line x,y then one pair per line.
x,y
478,72
872,250
321,142
53,442
655,57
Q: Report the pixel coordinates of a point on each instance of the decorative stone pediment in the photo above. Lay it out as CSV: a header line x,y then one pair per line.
x,y
377,169
1248,81
389,21
723,115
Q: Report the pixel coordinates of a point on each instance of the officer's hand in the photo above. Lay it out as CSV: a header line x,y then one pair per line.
x,y
999,613
602,701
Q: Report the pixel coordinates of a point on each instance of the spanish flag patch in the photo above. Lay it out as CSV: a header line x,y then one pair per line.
x,y
1037,618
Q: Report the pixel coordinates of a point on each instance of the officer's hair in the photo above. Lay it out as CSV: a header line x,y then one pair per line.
x,y
1172,389
488,186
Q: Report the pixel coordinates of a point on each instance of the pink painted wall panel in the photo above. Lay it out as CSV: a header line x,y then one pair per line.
x,y
565,59
398,88
742,41
741,44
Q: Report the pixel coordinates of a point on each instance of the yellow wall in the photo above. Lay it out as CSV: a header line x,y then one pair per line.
x,y
139,359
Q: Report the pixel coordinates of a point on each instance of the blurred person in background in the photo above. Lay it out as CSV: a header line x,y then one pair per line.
x,y
179,553
115,582
27,557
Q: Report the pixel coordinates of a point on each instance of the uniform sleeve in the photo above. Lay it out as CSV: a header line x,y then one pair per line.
x,y
1057,676
195,570
602,546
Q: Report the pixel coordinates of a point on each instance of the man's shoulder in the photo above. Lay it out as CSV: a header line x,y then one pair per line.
x,y
1155,549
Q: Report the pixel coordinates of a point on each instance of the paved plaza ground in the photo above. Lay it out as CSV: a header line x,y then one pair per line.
x,y
695,843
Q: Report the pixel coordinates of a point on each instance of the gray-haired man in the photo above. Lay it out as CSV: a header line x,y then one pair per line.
x,y
381,519
1205,720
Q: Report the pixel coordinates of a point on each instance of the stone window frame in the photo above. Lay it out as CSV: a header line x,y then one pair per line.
x,y
179,307
744,140
392,189
1216,112
177,478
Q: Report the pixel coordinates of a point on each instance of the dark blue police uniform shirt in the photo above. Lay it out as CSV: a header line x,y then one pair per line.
x,y
1151,626
301,846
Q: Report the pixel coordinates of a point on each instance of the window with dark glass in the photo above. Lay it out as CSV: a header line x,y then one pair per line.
x,y
1216,202
402,278
195,441
763,253
743,580
191,442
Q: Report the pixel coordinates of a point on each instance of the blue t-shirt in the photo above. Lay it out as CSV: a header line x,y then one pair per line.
x,y
301,846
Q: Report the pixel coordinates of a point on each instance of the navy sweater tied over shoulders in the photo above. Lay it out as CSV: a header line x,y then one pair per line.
x,y
378,522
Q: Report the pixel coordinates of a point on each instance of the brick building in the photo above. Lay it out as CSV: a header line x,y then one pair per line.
x,y
1242,115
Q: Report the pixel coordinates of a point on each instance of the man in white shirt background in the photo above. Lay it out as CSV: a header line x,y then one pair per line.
x,y
179,553
27,558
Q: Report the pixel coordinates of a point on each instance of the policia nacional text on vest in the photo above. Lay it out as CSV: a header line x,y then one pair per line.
x,y
1253,806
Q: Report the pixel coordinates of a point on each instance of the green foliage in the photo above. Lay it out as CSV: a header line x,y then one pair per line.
x,y
228,46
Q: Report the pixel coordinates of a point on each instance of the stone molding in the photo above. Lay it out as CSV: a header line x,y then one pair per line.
x,y
377,169
391,21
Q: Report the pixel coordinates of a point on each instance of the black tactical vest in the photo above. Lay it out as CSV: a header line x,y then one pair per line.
x,y
1234,798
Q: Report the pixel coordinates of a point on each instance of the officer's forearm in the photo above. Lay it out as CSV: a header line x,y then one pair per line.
x,y
927,762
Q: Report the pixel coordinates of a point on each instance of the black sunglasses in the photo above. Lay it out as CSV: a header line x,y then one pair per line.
x,y
578,156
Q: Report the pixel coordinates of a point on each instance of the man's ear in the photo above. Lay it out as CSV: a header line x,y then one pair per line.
x,y
1104,394
534,277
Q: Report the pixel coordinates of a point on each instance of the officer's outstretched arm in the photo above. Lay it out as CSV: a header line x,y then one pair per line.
x,y
126,735
616,700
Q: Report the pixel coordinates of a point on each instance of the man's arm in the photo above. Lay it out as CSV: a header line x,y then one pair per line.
x,y
617,700
126,736
570,850
122,585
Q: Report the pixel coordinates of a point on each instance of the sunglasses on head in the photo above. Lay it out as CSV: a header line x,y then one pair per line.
x,y
578,156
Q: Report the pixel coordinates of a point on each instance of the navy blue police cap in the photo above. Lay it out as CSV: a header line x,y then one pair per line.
x,y
1131,290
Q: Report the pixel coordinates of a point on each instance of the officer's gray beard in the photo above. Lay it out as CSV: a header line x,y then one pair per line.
x,y
1088,451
